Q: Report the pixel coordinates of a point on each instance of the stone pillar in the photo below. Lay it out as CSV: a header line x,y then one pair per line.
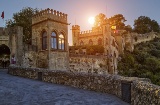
x,y
16,44
19,45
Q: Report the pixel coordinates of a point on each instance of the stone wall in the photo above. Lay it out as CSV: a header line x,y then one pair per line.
x,y
145,93
4,37
88,64
29,59
138,38
142,91
58,60
42,59
35,59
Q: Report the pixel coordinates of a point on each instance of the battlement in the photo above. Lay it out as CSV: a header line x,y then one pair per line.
x,y
75,27
90,33
49,14
136,38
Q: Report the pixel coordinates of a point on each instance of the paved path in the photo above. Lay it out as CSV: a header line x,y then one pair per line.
x,y
21,91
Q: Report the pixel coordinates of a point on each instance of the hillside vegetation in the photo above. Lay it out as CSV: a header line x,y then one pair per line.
x,y
143,62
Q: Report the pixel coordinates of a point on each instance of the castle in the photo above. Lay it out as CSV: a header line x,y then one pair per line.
x,y
103,37
50,48
113,41
48,58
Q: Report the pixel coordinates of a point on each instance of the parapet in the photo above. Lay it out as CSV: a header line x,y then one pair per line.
x,y
75,27
49,14
90,33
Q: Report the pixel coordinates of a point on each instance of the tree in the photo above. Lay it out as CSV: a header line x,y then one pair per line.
x,y
95,49
143,62
144,25
152,64
118,21
24,19
128,28
100,20
155,26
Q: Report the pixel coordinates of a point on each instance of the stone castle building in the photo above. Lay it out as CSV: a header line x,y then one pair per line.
x,y
50,35
4,45
114,42
132,39
50,48
3,37
101,36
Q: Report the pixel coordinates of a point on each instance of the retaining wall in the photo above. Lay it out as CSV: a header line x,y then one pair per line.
x,y
142,91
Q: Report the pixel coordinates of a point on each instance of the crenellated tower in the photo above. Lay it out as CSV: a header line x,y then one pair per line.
x,y
75,34
50,35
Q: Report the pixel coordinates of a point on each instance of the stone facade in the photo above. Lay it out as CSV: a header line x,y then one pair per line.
x,y
99,36
4,38
88,64
16,43
13,38
142,91
55,55
114,42
29,59
132,39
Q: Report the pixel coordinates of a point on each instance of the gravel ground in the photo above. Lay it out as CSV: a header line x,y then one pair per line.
x,y
22,91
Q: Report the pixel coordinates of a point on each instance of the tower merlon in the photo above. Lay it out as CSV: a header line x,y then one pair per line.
x,y
75,27
49,14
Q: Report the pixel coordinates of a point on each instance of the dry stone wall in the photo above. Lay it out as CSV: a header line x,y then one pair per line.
x,y
142,91
145,93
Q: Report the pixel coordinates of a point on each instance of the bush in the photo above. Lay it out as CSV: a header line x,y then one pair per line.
x,y
143,62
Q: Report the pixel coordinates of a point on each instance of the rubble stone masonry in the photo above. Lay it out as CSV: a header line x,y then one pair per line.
x,y
142,91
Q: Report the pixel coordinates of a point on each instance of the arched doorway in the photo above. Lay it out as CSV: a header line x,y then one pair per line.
x,y
4,53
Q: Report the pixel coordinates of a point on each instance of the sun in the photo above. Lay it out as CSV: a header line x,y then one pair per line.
x,y
91,20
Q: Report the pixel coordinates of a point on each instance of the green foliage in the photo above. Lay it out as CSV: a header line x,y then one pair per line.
x,y
90,50
155,52
24,19
143,62
118,21
128,28
99,20
144,25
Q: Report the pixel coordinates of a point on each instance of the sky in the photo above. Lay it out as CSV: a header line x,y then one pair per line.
x,y
80,10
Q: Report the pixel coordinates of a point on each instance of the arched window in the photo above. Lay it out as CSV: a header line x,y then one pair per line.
x,y
44,40
61,42
90,42
99,41
54,40
81,43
